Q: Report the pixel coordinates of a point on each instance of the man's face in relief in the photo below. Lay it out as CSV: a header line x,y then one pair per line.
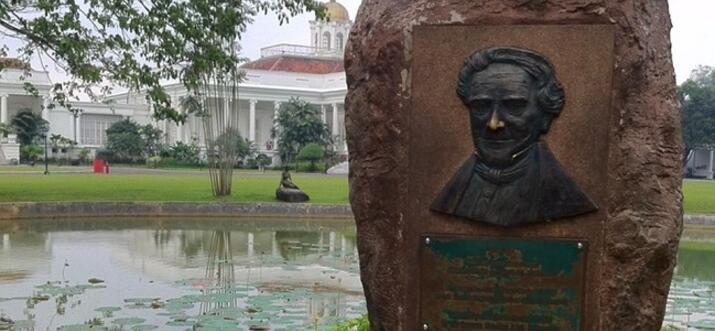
x,y
504,113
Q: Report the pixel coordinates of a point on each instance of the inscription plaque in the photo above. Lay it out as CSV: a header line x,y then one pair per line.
x,y
501,284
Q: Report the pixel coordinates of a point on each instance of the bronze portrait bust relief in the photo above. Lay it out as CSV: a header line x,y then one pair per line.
x,y
512,178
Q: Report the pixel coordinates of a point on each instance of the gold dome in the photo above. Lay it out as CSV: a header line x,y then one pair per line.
x,y
336,12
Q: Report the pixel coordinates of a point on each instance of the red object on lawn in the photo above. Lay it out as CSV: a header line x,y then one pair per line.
x,y
100,167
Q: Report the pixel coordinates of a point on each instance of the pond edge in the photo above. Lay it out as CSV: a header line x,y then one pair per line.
x,y
34,210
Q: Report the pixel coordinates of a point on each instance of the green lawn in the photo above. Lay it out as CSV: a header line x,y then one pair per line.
x,y
699,197
249,186
165,187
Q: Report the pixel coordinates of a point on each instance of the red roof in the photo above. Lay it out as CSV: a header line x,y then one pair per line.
x,y
296,64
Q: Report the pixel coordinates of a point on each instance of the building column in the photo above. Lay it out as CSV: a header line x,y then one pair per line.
x,y
165,128
46,108
3,108
252,121
227,112
180,132
336,129
712,161
78,123
180,125
276,112
323,114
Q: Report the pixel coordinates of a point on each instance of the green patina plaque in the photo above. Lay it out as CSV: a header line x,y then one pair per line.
x,y
501,284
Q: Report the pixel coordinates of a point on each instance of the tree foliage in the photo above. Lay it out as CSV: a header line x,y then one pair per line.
x,y
29,126
697,96
57,141
311,152
232,140
30,153
182,153
299,124
357,324
6,129
129,141
136,44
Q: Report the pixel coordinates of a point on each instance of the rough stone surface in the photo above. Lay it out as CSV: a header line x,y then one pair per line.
x,y
641,209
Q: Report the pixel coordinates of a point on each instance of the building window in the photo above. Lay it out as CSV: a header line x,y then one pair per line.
x,y
94,128
315,40
339,41
326,40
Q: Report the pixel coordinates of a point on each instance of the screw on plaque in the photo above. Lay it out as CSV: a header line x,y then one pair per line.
x,y
427,242
579,246
425,326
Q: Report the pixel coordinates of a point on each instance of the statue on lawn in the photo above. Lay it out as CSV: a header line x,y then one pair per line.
x,y
289,192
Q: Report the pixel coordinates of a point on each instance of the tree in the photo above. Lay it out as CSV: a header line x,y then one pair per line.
x,y
6,129
135,44
30,152
183,153
130,141
697,96
151,137
311,152
299,124
262,161
28,126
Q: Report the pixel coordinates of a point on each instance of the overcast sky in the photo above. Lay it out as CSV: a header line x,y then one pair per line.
x,y
693,34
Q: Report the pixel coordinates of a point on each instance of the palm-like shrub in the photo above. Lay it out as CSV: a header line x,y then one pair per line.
x,y
29,126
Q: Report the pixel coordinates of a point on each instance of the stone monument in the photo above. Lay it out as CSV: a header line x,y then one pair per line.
x,y
287,191
515,165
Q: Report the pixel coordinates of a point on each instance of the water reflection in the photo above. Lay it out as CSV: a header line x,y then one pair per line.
x,y
182,273
691,303
219,273
178,274
27,249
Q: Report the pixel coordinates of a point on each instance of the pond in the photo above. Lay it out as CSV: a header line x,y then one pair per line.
x,y
221,274
691,303
142,274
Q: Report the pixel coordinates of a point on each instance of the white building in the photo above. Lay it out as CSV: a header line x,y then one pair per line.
x,y
312,73
701,163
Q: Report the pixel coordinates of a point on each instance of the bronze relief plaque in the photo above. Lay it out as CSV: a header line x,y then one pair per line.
x,y
472,283
512,96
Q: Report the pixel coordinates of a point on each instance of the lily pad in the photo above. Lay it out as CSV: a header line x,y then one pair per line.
x,y
140,300
82,327
181,323
128,321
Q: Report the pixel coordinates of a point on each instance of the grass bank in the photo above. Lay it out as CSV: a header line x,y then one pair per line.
x,y
699,196
26,184
165,187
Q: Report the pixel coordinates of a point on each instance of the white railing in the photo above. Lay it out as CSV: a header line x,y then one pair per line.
x,y
10,139
300,50
9,149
